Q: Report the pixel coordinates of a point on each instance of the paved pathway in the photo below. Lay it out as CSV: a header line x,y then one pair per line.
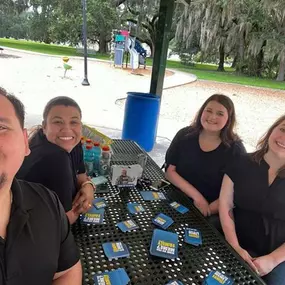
x,y
36,78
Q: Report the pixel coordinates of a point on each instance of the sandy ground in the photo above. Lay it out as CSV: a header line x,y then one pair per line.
x,y
37,78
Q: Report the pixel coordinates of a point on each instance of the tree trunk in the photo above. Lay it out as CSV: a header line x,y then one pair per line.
x,y
222,58
259,61
240,56
234,63
281,73
103,47
152,50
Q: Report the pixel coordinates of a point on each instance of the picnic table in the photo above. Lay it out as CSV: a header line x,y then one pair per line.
x,y
193,263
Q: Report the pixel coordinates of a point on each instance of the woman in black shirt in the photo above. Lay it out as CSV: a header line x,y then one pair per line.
x,y
198,154
252,206
56,158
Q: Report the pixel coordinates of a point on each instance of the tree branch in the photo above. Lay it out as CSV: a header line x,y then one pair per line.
x,y
136,13
143,24
119,2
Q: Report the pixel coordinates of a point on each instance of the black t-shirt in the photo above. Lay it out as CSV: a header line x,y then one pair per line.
x,y
38,242
259,208
203,170
53,167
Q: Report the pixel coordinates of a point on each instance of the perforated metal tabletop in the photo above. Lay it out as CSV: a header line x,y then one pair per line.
x,y
193,263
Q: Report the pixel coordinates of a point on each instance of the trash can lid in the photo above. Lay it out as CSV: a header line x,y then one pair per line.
x,y
143,95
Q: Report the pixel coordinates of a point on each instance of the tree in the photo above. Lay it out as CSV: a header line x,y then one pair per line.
x,y
41,19
211,22
276,39
66,23
14,21
144,16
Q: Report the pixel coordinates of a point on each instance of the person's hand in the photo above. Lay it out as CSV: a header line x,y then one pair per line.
x,y
264,264
72,216
202,205
214,207
83,199
246,257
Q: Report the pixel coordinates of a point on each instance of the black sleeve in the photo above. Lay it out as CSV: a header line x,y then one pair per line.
x,y
233,159
77,159
56,175
172,152
68,255
238,148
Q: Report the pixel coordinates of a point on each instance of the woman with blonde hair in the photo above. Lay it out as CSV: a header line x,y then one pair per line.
x,y
252,205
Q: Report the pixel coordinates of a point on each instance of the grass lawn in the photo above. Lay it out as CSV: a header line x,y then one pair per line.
x,y
46,48
209,72
202,71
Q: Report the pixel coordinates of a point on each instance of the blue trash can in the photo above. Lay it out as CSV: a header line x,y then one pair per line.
x,y
141,119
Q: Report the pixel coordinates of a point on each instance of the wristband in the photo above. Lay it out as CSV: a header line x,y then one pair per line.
x,y
88,182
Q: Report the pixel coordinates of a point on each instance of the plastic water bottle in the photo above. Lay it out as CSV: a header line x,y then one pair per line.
x,y
83,144
97,156
105,160
89,159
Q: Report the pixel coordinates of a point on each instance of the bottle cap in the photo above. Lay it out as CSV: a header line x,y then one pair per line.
x,y
89,147
88,140
105,148
96,143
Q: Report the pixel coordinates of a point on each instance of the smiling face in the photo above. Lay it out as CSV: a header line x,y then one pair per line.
x,y
214,117
276,141
13,142
63,127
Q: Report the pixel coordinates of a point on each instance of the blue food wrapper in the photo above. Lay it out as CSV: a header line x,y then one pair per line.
x,y
127,226
99,203
135,208
179,208
163,221
151,195
164,244
217,278
123,276
174,282
115,250
115,277
193,236
93,216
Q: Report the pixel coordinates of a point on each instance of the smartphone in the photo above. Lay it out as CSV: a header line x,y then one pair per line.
x,y
102,188
160,184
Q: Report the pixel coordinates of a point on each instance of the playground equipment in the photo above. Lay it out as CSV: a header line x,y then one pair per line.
x,y
123,45
65,65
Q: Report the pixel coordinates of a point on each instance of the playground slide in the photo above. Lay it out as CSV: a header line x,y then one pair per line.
x,y
142,52
134,59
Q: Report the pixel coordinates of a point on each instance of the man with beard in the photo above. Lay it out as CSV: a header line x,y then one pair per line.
x,y
36,246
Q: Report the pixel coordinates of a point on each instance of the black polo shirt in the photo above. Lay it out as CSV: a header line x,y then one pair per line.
x,y
38,242
203,170
53,167
259,208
